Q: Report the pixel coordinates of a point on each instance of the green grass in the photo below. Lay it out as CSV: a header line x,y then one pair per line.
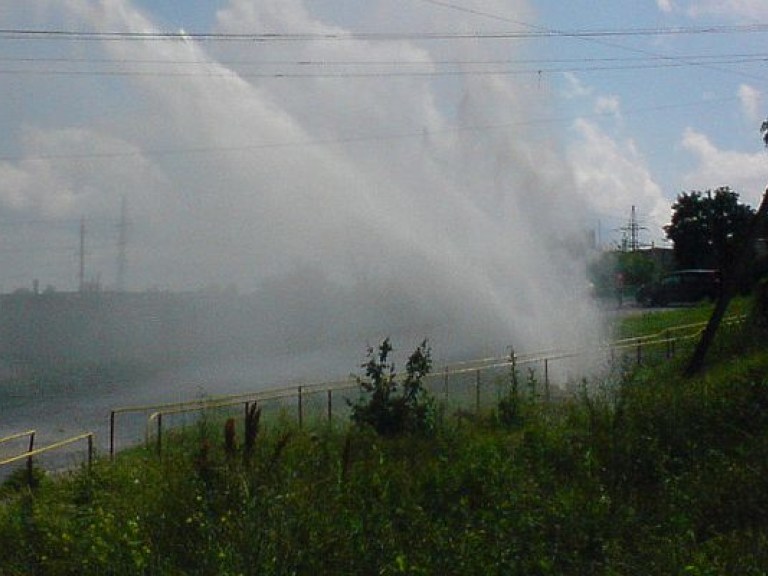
x,y
649,322
654,475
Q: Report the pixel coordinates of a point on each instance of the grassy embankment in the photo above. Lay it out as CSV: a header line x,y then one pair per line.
x,y
658,475
656,322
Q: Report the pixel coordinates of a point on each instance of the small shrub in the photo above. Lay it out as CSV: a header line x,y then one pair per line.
x,y
252,420
230,437
393,408
22,478
510,405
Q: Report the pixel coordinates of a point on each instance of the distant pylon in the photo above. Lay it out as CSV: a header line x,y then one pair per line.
x,y
81,271
122,240
632,233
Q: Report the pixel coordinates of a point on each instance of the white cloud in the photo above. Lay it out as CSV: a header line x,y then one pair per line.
x,y
575,87
612,176
611,173
745,173
608,105
751,102
50,183
14,194
734,9
665,5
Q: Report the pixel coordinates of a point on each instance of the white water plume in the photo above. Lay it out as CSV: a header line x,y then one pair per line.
x,y
352,206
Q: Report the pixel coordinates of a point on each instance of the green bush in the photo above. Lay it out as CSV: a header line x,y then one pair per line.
x,y
654,475
391,407
22,478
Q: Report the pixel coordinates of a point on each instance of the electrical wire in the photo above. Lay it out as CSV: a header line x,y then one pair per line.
x,y
193,151
531,32
588,67
327,63
606,43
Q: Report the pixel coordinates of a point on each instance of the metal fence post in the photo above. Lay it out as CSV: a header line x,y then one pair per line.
x,y
301,409
639,351
90,450
330,406
477,391
159,432
546,379
30,465
112,435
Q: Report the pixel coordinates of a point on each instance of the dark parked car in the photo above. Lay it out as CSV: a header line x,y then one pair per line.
x,y
681,286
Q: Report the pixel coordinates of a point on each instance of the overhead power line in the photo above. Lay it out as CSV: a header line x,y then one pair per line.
x,y
191,151
530,32
648,60
608,42
757,56
586,66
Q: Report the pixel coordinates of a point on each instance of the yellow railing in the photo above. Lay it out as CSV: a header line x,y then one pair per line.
x,y
154,412
32,452
18,435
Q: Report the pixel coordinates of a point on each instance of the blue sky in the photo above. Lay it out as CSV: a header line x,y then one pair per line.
x,y
575,125
686,126
653,106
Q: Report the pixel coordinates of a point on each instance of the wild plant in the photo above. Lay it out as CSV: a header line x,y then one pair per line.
x,y
346,458
280,446
230,438
393,408
252,419
510,404
533,386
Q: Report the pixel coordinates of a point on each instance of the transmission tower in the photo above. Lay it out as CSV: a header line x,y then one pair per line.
x,y
631,241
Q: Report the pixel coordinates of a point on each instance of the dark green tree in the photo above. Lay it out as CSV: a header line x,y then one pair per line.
x,y
636,268
764,132
708,228
737,274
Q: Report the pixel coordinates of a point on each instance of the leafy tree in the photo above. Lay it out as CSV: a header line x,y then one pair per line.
x,y
636,268
708,228
393,408
736,274
764,132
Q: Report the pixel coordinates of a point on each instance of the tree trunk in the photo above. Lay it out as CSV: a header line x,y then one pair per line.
x,y
729,287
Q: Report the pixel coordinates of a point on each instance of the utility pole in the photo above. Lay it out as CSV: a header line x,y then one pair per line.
x,y
122,240
81,274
